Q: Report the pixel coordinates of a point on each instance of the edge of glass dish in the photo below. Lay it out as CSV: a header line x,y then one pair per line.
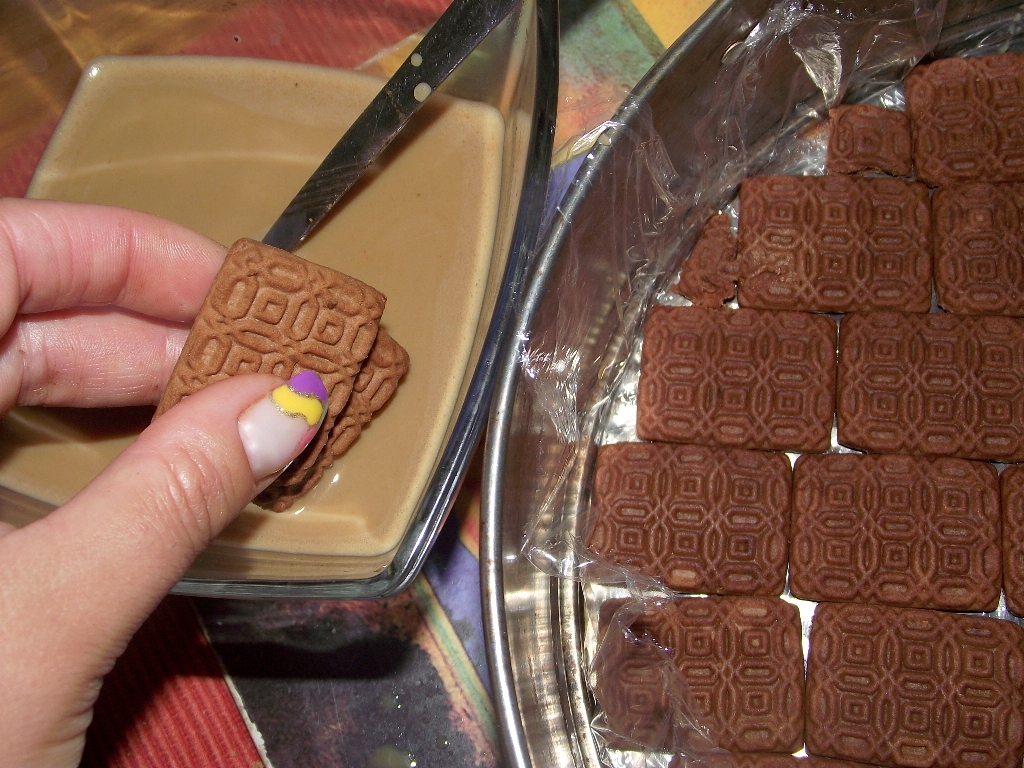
x,y
454,460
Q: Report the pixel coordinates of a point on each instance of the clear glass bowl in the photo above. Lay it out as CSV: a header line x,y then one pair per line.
x,y
514,71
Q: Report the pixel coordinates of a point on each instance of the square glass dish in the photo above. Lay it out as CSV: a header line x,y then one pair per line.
x,y
442,224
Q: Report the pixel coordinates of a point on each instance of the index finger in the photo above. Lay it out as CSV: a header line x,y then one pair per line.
x,y
56,255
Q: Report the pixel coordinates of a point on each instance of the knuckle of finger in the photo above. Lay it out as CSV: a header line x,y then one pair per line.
x,y
189,495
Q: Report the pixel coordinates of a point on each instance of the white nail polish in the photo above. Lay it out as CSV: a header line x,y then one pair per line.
x,y
276,428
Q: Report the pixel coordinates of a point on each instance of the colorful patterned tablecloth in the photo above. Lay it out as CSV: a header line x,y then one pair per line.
x,y
396,683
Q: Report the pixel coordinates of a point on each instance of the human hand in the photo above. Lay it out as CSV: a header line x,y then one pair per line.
x,y
95,304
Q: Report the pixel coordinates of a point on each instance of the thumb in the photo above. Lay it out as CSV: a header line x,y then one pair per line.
x,y
78,583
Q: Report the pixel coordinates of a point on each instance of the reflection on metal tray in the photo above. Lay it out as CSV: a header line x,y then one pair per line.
x,y
533,481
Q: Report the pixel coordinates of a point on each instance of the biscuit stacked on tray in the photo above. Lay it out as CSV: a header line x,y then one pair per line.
x,y
896,544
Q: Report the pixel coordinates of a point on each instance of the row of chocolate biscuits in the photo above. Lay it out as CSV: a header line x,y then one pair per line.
x,y
858,532
890,544
846,243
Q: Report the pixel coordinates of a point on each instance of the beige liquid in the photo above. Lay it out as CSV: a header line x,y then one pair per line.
x,y
221,146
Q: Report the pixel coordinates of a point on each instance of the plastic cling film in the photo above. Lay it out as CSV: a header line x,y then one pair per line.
x,y
798,61
582,352
581,361
561,362
646,705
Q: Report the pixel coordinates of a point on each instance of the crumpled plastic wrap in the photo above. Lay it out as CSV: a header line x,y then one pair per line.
x,y
583,374
679,730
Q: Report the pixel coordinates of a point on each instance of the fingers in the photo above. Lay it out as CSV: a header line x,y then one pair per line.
x,y
56,255
87,358
75,585
129,535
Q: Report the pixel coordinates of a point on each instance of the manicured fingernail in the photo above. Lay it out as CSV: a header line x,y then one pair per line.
x,y
277,427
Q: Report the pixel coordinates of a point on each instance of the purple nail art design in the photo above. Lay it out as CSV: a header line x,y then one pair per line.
x,y
276,428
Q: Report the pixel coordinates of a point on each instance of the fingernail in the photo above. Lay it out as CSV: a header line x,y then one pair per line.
x,y
276,428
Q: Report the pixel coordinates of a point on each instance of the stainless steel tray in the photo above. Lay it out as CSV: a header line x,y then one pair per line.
x,y
533,621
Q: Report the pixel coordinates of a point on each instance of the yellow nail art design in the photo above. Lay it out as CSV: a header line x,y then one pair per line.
x,y
294,404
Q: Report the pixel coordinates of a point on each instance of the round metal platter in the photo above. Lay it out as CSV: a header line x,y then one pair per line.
x,y
534,621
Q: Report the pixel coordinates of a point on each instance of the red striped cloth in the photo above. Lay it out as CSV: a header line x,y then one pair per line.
x,y
17,168
166,702
333,33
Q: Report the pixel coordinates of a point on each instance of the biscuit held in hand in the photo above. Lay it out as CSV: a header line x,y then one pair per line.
x,y
92,301
270,311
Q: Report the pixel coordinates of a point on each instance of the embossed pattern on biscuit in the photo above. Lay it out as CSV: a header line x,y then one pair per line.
x,y
834,244
763,760
376,383
746,378
910,688
978,232
698,519
742,661
1011,488
272,312
935,384
863,137
898,530
966,116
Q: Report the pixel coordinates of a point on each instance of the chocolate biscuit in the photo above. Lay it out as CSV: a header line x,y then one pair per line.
x,y
376,383
906,687
761,760
899,530
747,378
1011,488
698,519
933,385
272,312
708,277
632,682
741,659
978,234
269,311
965,119
834,244
868,138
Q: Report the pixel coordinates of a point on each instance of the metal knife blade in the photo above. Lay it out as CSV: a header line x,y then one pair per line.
x,y
458,31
